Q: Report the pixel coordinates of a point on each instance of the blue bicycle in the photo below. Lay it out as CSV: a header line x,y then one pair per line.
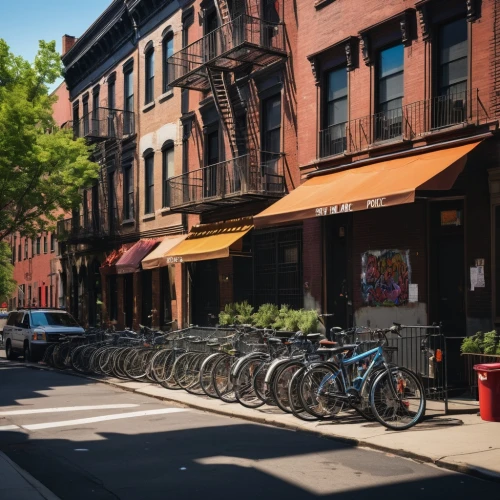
x,y
365,382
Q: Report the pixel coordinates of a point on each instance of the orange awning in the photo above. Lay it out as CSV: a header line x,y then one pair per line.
x,y
109,264
382,184
211,241
157,258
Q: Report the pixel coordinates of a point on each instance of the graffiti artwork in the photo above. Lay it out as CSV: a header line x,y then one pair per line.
x,y
385,277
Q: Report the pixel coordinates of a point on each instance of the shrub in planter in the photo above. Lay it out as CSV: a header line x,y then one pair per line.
x,y
308,322
228,316
243,312
481,343
266,315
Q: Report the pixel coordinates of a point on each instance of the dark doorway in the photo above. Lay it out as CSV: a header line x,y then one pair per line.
x,y
242,279
94,288
205,292
337,265
447,279
74,293
128,299
113,298
147,297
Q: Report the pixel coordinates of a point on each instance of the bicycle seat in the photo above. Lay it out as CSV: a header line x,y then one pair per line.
x,y
326,342
313,336
275,340
337,349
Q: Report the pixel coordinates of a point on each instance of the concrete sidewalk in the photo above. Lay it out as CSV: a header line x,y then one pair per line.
x,y
460,442
16,483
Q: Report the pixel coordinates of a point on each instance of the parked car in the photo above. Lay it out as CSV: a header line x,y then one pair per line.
x,y
29,332
3,321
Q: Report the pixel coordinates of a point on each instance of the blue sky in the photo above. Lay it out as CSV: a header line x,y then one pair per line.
x,y
24,22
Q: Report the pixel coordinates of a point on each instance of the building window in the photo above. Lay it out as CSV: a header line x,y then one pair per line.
x,y
45,246
52,243
333,137
167,171
33,247
38,241
149,184
25,248
86,116
450,106
150,75
128,193
14,249
95,112
128,102
111,108
76,119
19,253
390,91
271,134
168,51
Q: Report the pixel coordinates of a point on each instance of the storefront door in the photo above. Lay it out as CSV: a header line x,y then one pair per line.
x,y
205,293
337,265
447,267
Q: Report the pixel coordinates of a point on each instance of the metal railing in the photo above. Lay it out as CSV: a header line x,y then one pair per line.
x,y
226,43
88,225
405,123
258,173
105,123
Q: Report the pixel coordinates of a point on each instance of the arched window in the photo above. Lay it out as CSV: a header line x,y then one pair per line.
x,y
149,182
168,50
150,73
167,155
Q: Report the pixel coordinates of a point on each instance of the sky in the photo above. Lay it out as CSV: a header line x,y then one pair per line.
x,y
24,22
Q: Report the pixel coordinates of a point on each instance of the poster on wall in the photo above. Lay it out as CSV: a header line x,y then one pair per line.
x,y
385,277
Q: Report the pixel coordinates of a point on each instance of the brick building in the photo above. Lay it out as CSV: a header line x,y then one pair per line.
x,y
36,263
398,154
105,74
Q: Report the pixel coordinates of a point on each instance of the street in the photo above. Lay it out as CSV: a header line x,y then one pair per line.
x,y
86,440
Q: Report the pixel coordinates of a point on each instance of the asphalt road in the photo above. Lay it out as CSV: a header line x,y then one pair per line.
x,y
85,440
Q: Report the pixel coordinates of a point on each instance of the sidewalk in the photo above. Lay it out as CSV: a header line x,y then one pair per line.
x,y
16,483
461,442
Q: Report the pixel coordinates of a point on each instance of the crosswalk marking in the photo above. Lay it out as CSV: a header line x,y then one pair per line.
x,y
66,409
104,418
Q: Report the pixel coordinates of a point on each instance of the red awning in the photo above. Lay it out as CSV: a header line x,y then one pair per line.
x,y
131,260
109,264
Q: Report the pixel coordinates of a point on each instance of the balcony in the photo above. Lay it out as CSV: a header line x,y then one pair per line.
x,y
254,176
87,227
105,123
244,40
413,121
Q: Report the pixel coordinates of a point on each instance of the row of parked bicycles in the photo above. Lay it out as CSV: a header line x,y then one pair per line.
x,y
307,375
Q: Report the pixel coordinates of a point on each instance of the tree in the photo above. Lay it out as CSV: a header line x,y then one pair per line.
x,y
7,283
42,168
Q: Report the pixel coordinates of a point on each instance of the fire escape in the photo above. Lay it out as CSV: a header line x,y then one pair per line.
x,y
208,64
105,128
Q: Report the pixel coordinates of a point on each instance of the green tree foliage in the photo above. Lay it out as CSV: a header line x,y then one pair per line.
x,y
42,168
7,283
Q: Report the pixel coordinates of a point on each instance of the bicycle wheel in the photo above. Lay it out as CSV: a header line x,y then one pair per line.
x,y
169,381
194,374
281,383
296,406
397,399
206,369
260,386
222,381
317,390
244,388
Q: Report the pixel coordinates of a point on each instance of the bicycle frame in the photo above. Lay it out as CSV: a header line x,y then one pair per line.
x,y
344,363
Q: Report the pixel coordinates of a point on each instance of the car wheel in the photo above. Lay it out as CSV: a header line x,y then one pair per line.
x,y
9,353
27,354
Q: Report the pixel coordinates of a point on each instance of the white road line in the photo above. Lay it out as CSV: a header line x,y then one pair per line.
x,y
8,428
66,408
118,416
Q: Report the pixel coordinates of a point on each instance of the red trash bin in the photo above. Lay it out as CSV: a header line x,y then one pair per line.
x,y
488,376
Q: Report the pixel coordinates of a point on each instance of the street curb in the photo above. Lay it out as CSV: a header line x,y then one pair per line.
x,y
34,483
442,463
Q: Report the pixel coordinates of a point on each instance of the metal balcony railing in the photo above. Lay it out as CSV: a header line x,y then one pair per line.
x,y
405,123
105,123
257,175
245,39
87,226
